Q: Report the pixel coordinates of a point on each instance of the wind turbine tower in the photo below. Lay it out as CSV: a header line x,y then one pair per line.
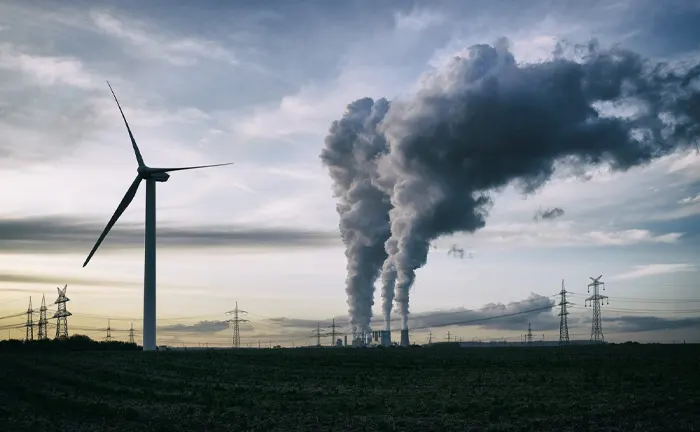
x,y
151,176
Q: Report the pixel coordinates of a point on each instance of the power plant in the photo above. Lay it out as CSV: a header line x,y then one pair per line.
x,y
372,338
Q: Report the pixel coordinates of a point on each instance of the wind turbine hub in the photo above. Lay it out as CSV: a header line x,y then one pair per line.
x,y
148,173
160,177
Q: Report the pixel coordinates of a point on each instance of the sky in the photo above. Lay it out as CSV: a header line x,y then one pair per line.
x,y
259,84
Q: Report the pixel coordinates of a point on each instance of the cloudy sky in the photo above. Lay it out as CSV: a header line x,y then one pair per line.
x,y
260,86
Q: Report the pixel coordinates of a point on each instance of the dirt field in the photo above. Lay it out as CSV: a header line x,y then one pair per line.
x,y
644,388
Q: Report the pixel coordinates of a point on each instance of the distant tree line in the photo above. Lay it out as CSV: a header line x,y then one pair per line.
x,y
73,343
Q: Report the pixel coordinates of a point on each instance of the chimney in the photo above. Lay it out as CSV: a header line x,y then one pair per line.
x,y
404,338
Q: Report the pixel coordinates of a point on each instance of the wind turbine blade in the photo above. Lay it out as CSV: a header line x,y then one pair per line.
x,y
139,159
165,170
128,197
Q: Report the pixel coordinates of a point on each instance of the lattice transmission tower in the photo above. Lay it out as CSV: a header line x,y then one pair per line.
x,y
237,320
131,334
29,334
333,333
529,333
43,322
109,337
62,314
563,322
596,301
318,334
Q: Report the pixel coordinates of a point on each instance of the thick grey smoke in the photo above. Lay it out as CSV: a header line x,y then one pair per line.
x,y
388,282
549,214
350,153
485,121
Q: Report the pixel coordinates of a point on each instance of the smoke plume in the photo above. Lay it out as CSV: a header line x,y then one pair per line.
x,y
351,149
484,122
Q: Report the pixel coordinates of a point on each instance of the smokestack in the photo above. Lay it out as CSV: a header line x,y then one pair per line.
x,y
438,155
386,338
404,338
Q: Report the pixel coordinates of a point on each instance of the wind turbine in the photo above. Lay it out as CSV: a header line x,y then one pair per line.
x,y
151,176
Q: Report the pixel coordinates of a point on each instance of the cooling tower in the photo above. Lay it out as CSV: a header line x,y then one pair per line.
x,y
404,338
386,338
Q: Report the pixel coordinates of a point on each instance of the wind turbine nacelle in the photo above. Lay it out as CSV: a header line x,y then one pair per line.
x,y
160,177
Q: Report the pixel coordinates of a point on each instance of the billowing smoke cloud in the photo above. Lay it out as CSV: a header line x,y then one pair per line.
x,y
485,121
549,214
350,153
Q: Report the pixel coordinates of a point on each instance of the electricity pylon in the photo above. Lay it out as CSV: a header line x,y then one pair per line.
x,y
29,335
108,338
236,325
563,322
43,322
529,333
62,314
131,334
333,334
595,301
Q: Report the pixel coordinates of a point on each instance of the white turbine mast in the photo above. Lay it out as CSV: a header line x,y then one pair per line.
x,y
151,176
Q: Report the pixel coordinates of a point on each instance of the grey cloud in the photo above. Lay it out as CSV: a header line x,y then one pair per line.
x,y
200,327
549,214
285,322
68,234
632,324
536,309
60,280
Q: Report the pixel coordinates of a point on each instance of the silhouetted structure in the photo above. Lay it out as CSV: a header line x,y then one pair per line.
x,y
236,325
404,338
595,301
151,176
333,333
29,332
62,313
43,322
131,334
563,322
109,337
529,333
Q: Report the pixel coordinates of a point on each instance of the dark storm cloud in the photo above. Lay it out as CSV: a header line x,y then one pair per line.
x,y
631,324
64,234
200,327
549,214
